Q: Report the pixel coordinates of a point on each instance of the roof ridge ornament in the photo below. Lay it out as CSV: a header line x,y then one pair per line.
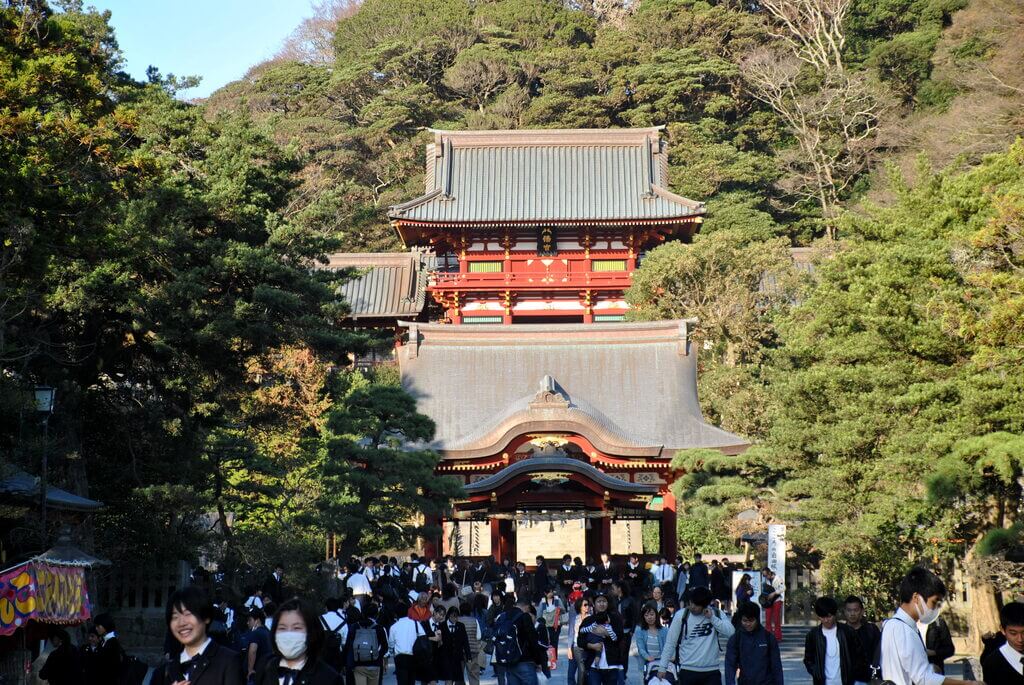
x,y
549,395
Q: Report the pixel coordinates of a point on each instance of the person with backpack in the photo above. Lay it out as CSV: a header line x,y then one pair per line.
x,y
202,661
402,639
552,610
752,651
515,645
692,642
335,625
365,646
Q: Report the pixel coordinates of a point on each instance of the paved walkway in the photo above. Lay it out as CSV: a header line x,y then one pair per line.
x,y
792,663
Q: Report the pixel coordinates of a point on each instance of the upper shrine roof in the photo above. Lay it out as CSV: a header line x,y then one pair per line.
x,y
629,388
547,175
386,285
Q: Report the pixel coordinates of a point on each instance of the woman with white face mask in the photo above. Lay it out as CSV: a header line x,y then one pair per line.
x,y
298,641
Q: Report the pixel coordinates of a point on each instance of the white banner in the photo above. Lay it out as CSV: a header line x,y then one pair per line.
x,y
777,559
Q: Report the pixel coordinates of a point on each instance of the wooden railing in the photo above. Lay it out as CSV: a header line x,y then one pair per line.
x,y
531,281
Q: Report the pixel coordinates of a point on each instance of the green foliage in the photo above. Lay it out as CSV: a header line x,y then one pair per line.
x,y
375,486
999,540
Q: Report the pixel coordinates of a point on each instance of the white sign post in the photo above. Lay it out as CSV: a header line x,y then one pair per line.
x,y
777,561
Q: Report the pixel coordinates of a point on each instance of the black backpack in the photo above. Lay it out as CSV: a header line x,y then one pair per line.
x,y
419,582
507,649
423,649
332,644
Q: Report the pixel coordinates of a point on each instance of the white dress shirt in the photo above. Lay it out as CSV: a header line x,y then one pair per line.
x,y
359,585
331,621
1015,658
904,658
403,635
663,573
185,657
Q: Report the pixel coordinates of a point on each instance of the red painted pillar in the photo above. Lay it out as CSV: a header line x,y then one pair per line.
x,y
508,540
606,536
432,541
496,539
669,535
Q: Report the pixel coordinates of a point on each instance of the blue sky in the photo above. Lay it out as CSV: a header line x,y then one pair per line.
x,y
216,39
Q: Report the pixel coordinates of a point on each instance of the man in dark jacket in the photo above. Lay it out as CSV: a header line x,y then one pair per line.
x,y
541,579
867,632
517,621
106,664
832,651
938,644
1005,664
273,586
62,666
752,651
699,574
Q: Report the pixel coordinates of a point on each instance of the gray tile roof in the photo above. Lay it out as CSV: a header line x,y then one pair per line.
x,y
543,175
625,383
21,484
386,285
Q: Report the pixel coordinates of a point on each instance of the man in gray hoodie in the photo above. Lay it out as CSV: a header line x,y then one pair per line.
x,y
692,641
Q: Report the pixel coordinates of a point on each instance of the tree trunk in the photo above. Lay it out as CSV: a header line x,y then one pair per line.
x,y
984,619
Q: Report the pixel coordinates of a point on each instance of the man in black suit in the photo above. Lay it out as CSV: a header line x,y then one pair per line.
x,y
606,573
1006,664
107,661
273,587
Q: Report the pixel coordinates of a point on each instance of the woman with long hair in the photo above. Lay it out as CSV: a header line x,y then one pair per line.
x,y
744,590
298,642
649,637
576,674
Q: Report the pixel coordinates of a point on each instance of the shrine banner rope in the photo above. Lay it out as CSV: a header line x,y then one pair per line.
x,y
46,593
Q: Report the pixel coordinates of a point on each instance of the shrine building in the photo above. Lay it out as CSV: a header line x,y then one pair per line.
x,y
560,417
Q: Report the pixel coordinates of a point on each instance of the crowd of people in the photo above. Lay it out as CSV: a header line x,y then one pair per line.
x,y
451,622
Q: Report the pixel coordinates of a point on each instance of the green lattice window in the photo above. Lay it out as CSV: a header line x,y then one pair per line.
x,y
608,265
481,319
485,267
608,318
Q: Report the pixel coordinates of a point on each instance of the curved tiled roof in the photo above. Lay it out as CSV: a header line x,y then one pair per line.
x,y
633,386
548,464
386,284
542,175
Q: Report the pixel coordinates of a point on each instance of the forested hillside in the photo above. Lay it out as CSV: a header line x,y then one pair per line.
x,y
155,251
794,121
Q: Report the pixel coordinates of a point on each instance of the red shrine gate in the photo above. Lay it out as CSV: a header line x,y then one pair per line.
x,y
549,406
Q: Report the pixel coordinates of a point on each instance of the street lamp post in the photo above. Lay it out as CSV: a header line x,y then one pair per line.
x,y
45,396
